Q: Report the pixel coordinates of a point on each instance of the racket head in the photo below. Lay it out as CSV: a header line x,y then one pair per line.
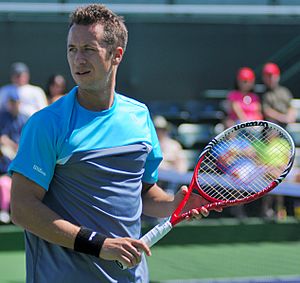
x,y
243,163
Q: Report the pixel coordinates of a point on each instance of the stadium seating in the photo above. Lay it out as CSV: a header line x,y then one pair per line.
x,y
195,136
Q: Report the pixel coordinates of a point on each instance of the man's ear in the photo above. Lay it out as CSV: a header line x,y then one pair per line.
x,y
118,55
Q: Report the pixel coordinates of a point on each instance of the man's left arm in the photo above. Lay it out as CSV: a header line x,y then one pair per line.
x,y
157,203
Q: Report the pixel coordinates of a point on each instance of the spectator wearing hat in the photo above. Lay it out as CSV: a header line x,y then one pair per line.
x,y
32,98
277,108
11,124
243,103
276,100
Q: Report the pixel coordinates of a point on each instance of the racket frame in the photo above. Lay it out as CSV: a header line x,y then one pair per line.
x,y
177,217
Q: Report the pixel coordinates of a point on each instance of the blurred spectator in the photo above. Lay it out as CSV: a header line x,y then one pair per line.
x,y
11,124
173,155
277,108
32,98
56,88
276,99
174,159
243,103
5,185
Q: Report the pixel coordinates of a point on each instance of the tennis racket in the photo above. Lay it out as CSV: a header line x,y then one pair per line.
x,y
238,166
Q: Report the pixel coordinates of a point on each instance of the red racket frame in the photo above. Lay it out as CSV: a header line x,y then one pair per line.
x,y
176,217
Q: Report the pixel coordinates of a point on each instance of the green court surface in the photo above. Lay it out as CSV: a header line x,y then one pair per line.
x,y
196,262
225,261
12,267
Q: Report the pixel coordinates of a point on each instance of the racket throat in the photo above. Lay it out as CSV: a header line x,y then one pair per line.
x,y
175,218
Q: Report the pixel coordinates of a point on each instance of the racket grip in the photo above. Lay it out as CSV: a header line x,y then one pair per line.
x,y
153,236
156,233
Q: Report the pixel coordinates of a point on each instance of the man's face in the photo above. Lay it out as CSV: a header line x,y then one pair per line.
x,y
271,80
90,61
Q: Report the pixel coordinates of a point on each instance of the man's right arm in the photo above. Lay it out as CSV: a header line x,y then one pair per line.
x,y
29,212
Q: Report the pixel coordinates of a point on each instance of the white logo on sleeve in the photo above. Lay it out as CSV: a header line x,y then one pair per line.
x,y
39,169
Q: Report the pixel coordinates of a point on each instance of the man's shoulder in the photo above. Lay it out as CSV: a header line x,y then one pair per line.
x,y
59,109
45,115
132,102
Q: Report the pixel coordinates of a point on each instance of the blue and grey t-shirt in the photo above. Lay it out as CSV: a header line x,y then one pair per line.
x,y
92,165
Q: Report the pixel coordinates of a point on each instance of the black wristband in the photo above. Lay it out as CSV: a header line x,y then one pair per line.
x,y
89,242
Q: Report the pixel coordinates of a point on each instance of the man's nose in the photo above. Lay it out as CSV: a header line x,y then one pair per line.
x,y
80,58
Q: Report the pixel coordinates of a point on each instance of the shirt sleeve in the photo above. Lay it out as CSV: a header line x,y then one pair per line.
x,y
36,157
154,158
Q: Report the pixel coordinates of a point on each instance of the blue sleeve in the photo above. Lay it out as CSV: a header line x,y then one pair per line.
x,y
154,158
36,157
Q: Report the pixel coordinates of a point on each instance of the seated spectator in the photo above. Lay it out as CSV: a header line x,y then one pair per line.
x,y
277,99
56,88
173,159
5,186
244,104
173,155
11,124
32,98
277,108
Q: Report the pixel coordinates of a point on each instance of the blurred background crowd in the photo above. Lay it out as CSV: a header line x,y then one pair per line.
x,y
181,138
18,101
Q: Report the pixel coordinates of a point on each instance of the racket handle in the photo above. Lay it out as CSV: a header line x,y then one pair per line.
x,y
153,236
156,233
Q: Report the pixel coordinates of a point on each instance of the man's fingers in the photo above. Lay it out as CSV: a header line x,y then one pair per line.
x,y
184,190
196,214
132,255
204,211
141,246
218,209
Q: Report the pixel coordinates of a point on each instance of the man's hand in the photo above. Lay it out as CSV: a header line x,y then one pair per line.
x,y
125,250
195,200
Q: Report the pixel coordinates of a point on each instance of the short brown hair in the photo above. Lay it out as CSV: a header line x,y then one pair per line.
x,y
115,31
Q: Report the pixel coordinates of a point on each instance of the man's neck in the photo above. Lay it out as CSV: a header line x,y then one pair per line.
x,y
95,101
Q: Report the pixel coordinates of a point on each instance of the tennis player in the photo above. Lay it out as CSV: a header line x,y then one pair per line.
x,y
86,168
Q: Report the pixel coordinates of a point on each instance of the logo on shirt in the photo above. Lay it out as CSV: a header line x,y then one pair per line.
x,y
135,119
39,169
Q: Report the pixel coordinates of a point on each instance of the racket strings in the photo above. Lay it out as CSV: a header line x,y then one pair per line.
x,y
243,170
242,164
217,189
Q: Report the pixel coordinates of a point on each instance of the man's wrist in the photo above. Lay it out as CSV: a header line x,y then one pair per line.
x,y
89,242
